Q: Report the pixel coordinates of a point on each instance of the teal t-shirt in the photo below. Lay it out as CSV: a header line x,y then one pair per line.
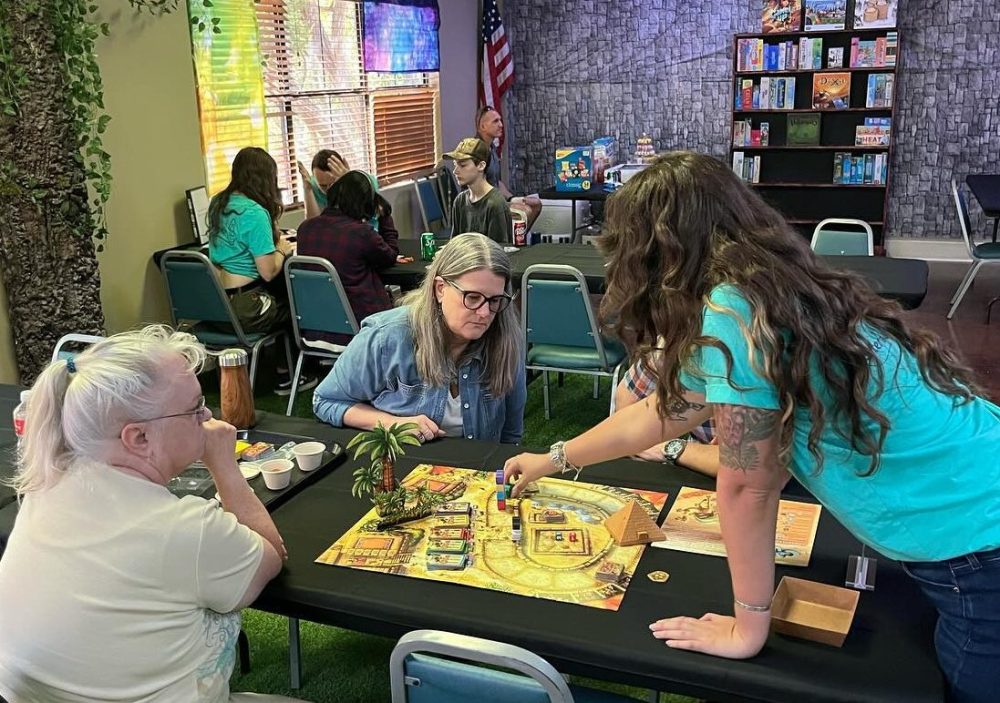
x,y
244,233
936,493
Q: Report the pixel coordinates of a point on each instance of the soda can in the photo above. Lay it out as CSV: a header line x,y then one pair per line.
x,y
520,233
427,248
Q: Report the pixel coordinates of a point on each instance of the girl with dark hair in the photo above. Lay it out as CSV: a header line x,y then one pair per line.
x,y
807,372
245,244
327,167
343,235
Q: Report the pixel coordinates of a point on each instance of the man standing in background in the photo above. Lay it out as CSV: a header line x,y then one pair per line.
x,y
489,127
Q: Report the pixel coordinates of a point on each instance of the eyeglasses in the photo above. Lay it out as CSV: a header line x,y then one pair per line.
x,y
197,411
474,300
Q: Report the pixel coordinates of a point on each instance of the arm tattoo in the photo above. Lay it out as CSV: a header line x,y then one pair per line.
x,y
740,429
677,408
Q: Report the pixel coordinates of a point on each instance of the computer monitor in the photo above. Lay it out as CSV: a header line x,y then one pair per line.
x,y
197,202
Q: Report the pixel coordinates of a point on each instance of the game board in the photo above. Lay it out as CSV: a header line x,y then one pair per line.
x,y
564,552
692,525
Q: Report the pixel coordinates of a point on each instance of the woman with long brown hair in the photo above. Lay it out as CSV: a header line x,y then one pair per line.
x,y
807,372
246,246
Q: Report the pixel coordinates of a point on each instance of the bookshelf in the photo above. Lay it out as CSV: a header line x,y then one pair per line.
x,y
807,181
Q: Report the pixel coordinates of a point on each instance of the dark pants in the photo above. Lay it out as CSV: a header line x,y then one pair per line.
x,y
966,593
262,307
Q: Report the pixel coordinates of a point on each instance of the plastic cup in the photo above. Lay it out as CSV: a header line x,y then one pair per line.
x,y
309,455
277,473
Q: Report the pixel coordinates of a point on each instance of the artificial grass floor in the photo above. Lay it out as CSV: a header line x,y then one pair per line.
x,y
346,666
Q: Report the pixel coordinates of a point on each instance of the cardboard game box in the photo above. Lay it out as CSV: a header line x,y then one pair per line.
x,y
574,168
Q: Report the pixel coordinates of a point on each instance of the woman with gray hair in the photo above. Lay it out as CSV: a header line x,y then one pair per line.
x,y
450,359
112,588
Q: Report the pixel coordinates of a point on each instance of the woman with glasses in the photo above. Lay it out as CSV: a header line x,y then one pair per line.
x,y
111,587
450,359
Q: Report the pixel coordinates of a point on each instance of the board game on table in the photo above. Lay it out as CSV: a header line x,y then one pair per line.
x,y
565,553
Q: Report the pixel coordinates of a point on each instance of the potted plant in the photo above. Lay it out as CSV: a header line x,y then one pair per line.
x,y
383,446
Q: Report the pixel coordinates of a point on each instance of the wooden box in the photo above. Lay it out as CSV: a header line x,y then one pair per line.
x,y
813,611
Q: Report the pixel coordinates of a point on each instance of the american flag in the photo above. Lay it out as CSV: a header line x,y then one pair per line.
x,y
496,73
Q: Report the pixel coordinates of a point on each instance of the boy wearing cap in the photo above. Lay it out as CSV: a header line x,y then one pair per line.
x,y
480,207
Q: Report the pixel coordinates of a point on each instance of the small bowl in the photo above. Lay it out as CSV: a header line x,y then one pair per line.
x,y
309,455
249,469
277,473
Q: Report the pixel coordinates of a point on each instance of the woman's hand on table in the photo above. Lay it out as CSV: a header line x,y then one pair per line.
x,y
426,429
526,468
718,635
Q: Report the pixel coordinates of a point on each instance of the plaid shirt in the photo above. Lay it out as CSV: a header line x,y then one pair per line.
x,y
641,383
358,253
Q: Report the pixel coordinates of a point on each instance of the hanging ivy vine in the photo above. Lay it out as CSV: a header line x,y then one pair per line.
x,y
73,25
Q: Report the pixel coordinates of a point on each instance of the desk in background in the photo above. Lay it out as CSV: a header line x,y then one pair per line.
x,y
986,188
594,194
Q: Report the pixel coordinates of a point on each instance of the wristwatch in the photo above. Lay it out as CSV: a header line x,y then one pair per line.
x,y
673,449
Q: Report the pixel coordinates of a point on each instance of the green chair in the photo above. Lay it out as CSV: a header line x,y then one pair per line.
x,y
419,673
979,253
830,238
561,329
196,296
319,304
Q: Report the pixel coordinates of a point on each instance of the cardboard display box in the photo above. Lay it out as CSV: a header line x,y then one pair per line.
x,y
813,611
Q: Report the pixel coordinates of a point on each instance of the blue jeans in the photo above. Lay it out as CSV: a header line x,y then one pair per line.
x,y
966,592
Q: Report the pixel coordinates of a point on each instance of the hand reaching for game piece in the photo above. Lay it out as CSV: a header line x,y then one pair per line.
x,y
713,634
526,468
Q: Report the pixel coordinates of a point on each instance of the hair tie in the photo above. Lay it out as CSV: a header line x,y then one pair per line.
x,y
70,365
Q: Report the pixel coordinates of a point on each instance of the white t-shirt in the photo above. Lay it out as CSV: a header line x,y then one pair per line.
x,y
113,589
452,423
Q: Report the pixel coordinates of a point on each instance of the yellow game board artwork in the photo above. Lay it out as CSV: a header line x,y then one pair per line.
x,y
563,553
693,526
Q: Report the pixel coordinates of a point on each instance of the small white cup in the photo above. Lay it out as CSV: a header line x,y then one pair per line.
x,y
309,455
277,473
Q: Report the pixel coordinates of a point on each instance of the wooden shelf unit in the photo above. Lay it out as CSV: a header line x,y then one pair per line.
x,y
797,179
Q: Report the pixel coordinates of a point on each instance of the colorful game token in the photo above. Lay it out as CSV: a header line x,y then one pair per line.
x,y
658,576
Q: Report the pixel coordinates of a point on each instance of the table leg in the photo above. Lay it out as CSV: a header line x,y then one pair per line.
x,y
572,204
996,221
294,655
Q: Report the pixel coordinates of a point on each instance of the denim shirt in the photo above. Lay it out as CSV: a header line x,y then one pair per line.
x,y
379,368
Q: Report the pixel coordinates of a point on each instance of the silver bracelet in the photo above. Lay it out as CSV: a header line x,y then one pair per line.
x,y
557,455
752,608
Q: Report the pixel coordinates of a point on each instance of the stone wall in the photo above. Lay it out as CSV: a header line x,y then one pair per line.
x,y
586,68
